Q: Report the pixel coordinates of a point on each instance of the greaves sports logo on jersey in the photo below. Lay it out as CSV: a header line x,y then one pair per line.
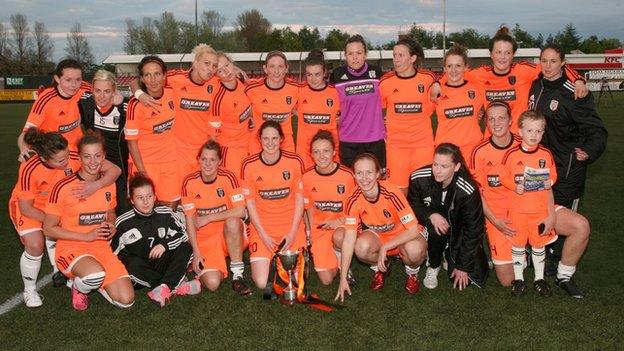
x,y
277,117
289,99
310,118
91,218
381,228
286,175
421,88
162,127
471,94
245,115
511,80
328,206
329,102
69,127
500,95
408,107
458,112
493,180
364,88
340,188
194,105
212,210
274,194
220,192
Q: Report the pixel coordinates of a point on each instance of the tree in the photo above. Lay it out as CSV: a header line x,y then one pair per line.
x,y
211,26
310,39
44,49
539,41
569,39
22,45
78,47
426,39
168,32
593,45
148,37
335,40
5,51
470,38
523,38
253,28
132,42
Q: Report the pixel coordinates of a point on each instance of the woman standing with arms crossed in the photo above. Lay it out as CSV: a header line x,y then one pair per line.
x,y
405,97
274,194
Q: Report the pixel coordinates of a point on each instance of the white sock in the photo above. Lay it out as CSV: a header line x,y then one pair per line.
x,y
338,254
517,258
411,270
539,258
51,249
237,269
113,302
565,272
29,267
89,282
374,268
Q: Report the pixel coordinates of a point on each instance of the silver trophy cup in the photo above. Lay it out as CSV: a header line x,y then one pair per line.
x,y
289,262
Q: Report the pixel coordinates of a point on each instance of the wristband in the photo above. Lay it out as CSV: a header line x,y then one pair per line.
x,y
138,93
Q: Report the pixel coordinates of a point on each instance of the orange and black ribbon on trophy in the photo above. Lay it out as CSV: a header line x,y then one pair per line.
x,y
279,278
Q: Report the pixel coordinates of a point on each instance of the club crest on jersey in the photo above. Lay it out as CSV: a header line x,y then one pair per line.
x,y
372,74
532,102
511,80
170,103
427,201
330,102
289,100
116,120
542,163
209,89
220,192
109,196
340,188
421,88
286,175
553,105
68,172
386,213
471,94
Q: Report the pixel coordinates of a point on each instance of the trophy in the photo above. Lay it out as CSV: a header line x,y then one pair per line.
x,y
289,262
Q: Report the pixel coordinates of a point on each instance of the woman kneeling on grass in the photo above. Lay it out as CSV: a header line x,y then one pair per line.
x,y
392,228
152,244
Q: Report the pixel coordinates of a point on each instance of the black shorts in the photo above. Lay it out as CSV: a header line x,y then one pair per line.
x,y
349,151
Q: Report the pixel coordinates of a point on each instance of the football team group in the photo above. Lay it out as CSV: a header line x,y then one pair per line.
x,y
167,190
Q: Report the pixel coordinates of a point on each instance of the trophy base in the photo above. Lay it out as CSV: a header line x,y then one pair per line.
x,y
289,297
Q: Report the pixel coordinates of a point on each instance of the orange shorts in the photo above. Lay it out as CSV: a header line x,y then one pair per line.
x,y
526,225
214,249
323,254
257,250
232,157
384,238
23,225
401,162
67,256
166,178
500,244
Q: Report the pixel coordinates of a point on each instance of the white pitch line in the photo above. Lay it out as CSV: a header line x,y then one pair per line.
x,y
13,302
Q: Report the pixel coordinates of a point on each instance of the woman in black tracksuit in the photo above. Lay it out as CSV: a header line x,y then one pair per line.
x,y
447,202
99,113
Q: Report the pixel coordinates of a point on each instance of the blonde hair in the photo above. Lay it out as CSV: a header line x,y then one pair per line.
x,y
530,115
104,75
203,49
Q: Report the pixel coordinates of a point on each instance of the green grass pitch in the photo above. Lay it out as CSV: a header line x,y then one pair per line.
x,y
390,319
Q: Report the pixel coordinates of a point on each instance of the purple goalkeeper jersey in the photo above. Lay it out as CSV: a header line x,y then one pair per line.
x,y
361,119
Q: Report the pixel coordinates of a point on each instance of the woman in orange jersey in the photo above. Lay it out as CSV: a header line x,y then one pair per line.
x,y
274,98
214,205
459,105
508,81
83,227
149,133
56,109
274,191
405,98
232,109
326,186
318,107
391,228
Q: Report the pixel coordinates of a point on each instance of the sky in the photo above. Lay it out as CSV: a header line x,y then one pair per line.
x,y
103,21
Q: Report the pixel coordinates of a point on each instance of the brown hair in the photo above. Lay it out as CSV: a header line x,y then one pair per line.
x,y
414,49
90,137
530,115
45,144
368,156
323,134
503,35
210,145
138,181
456,50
